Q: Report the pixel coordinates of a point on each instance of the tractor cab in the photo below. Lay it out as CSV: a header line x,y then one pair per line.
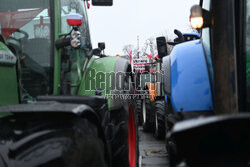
x,y
30,29
26,28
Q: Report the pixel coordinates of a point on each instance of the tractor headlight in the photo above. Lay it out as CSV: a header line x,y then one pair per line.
x,y
196,22
75,38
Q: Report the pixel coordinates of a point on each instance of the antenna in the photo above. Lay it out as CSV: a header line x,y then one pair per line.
x,y
138,42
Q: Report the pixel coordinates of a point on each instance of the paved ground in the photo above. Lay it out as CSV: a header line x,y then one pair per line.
x,y
152,152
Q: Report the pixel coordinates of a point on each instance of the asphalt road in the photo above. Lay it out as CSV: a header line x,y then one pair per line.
x,y
152,152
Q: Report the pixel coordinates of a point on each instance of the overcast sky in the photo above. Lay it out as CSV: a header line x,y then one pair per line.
x,y
120,24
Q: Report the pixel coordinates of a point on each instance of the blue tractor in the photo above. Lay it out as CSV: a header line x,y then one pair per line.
x,y
158,115
187,88
210,77
159,103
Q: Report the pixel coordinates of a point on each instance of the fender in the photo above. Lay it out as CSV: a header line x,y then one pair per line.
x,y
122,67
49,109
166,66
190,85
100,77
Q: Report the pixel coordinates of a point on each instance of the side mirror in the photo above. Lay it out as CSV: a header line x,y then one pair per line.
x,y
101,45
102,2
162,47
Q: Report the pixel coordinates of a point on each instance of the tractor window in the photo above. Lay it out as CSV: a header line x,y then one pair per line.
x,y
74,6
69,55
26,27
207,43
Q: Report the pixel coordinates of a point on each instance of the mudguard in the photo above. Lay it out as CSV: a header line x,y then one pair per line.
x,y
190,85
166,66
101,77
46,131
214,140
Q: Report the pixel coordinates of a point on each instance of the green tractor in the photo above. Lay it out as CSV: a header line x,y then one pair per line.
x,y
62,102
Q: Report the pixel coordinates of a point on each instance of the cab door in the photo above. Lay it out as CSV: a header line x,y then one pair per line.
x,y
72,60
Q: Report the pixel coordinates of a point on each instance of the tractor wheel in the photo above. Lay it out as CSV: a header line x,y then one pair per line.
x,y
147,110
159,123
139,111
62,141
125,146
171,146
170,120
172,151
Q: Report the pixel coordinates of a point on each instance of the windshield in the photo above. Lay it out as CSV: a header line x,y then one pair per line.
x,y
207,44
25,25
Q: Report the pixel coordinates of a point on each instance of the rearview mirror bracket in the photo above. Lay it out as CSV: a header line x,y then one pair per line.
x,y
102,2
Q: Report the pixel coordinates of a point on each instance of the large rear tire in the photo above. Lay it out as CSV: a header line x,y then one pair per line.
x,y
139,111
65,142
170,120
147,110
159,123
125,147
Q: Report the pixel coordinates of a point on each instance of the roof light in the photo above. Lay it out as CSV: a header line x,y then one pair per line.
x,y
200,18
74,19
